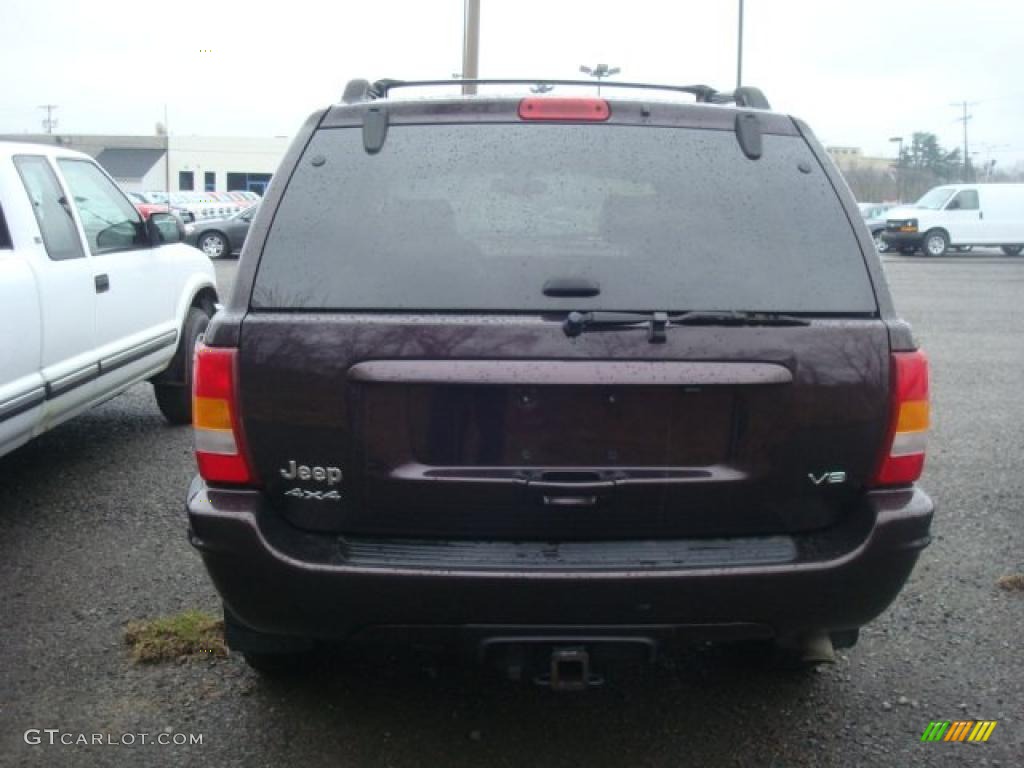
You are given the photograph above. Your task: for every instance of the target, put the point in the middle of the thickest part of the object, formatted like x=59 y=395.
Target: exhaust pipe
x=816 y=648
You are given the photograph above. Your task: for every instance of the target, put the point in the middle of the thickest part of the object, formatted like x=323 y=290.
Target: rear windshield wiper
x=577 y=322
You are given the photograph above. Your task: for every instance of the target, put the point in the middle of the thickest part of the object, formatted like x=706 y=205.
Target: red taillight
x=550 y=108
x=219 y=441
x=903 y=460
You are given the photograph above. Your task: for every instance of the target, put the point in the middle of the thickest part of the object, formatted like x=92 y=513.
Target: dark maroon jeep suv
x=558 y=376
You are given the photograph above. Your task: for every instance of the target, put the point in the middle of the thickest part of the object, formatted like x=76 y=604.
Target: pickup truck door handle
x=102 y=283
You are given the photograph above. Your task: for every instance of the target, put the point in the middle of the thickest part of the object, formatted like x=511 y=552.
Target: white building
x=199 y=163
x=853 y=158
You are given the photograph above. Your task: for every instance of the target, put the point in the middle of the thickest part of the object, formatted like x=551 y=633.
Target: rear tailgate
x=403 y=366
x=729 y=431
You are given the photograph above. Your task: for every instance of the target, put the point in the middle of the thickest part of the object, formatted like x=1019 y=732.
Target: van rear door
x=1002 y=208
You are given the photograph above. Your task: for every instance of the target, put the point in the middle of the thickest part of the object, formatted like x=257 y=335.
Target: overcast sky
x=858 y=72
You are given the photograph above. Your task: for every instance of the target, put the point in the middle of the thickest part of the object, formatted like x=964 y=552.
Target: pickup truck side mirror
x=164 y=228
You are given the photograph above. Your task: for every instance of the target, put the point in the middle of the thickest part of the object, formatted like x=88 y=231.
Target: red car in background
x=147 y=209
x=148 y=206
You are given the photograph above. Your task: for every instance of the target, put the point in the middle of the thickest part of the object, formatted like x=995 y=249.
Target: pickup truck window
x=111 y=223
x=51 y=208
x=5 y=234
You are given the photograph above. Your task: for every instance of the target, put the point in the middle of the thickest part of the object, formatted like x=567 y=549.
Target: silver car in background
x=221 y=236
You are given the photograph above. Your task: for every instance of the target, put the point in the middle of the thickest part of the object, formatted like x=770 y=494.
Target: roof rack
x=363 y=90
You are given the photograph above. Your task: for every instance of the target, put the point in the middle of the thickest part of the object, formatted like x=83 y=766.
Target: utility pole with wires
x=50 y=122
x=965 y=119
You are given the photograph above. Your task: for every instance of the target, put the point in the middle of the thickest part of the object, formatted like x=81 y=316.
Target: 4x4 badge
x=827 y=478
x=308 y=495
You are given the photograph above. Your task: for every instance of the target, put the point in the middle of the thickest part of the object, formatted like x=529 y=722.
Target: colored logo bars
x=958 y=730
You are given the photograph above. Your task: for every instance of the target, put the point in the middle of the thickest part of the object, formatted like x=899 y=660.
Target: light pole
x=599 y=72
x=471 y=45
x=899 y=169
x=50 y=122
x=739 y=49
x=167 y=158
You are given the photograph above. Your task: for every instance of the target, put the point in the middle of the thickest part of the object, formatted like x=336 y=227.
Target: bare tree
x=871 y=184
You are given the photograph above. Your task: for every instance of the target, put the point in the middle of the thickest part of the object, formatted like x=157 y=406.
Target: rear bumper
x=276 y=579
x=902 y=239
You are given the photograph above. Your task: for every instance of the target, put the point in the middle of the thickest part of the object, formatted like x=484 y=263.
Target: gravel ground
x=92 y=535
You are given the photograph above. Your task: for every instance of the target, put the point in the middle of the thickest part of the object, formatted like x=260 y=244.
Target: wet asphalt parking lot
x=92 y=535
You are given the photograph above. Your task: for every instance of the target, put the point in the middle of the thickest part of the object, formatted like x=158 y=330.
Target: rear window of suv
x=479 y=217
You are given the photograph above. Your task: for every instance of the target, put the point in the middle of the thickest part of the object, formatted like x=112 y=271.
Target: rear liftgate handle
x=570 y=501
x=585 y=492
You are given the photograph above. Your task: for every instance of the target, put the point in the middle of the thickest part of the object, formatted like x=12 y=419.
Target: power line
x=1017 y=95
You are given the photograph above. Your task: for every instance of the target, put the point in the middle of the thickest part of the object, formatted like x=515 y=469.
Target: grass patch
x=1012 y=583
x=192 y=634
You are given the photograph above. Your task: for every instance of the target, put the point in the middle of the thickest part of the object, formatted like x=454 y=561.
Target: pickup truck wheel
x=1013 y=250
x=936 y=243
x=175 y=398
x=213 y=244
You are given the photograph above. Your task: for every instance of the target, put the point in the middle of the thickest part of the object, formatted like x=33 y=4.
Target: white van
x=957 y=216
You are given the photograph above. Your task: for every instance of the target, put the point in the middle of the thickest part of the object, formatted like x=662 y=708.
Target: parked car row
x=200 y=205
x=220 y=234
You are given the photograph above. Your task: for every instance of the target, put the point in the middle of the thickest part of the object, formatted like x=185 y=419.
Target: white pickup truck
x=93 y=298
